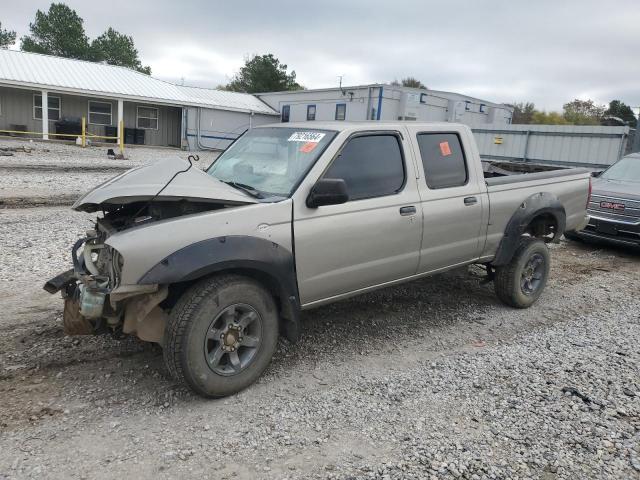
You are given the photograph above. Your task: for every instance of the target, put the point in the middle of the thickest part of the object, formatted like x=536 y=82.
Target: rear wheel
x=221 y=335
x=520 y=282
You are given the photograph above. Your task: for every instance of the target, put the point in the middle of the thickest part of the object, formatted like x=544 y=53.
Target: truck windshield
x=270 y=162
x=626 y=169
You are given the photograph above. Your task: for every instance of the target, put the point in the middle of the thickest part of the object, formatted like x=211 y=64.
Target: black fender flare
x=535 y=205
x=273 y=263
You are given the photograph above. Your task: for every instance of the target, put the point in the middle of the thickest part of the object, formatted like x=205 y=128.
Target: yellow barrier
x=84 y=135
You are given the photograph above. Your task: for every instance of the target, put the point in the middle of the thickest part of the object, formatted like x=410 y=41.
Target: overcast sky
x=545 y=51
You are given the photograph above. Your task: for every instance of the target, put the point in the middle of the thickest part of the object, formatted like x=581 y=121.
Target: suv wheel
x=221 y=335
x=520 y=282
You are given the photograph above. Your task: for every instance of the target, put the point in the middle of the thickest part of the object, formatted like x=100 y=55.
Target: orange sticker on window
x=308 y=147
x=445 y=150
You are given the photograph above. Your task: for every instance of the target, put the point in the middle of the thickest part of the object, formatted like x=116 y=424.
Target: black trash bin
x=130 y=136
x=69 y=126
x=139 y=136
x=110 y=131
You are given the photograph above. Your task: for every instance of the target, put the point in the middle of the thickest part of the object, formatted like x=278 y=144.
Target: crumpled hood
x=143 y=183
x=616 y=189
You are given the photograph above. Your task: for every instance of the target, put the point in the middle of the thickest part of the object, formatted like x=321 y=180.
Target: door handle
x=410 y=210
x=470 y=200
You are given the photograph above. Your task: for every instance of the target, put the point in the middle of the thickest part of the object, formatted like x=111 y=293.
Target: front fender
x=272 y=262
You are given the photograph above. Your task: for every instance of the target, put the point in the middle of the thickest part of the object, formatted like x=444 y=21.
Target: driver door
x=371 y=239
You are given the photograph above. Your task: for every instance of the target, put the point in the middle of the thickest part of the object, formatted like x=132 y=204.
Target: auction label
x=313 y=137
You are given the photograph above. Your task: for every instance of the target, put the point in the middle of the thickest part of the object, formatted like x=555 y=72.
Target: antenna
x=342 y=90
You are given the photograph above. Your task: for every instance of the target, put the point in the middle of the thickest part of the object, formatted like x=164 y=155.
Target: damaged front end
x=94 y=300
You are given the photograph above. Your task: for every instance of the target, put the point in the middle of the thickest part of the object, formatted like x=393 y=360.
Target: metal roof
x=388 y=87
x=39 y=71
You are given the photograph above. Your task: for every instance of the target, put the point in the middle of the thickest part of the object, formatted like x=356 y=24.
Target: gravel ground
x=432 y=379
x=39 y=172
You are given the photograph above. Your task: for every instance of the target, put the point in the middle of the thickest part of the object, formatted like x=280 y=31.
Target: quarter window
x=443 y=160
x=286 y=112
x=341 y=111
x=100 y=113
x=371 y=166
x=147 y=118
x=53 y=104
x=311 y=112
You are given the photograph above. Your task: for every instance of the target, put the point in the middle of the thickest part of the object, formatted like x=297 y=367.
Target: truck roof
x=339 y=125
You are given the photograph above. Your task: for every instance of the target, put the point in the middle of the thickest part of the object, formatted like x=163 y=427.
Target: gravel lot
x=39 y=173
x=432 y=379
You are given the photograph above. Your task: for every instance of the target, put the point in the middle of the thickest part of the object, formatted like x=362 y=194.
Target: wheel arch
x=541 y=215
x=264 y=261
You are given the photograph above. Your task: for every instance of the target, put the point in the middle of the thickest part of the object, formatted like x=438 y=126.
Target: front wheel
x=221 y=335
x=520 y=282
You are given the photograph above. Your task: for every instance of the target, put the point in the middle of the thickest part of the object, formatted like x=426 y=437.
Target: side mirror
x=596 y=174
x=328 y=191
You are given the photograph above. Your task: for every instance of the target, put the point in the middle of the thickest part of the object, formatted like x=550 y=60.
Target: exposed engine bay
x=94 y=300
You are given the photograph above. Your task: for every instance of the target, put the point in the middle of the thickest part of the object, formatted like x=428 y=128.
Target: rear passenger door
x=454 y=200
x=373 y=238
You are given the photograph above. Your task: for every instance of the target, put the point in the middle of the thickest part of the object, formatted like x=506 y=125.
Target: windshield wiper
x=248 y=189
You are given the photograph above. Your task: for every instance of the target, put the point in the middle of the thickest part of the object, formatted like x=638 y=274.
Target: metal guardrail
x=559 y=145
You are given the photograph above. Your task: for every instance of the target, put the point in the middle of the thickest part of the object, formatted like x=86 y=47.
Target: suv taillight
x=589 y=196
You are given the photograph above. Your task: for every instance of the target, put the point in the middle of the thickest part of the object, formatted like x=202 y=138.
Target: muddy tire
x=221 y=335
x=520 y=282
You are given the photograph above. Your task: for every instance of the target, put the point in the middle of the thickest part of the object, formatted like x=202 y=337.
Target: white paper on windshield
x=308 y=137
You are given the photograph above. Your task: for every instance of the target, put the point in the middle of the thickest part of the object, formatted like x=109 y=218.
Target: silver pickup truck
x=215 y=264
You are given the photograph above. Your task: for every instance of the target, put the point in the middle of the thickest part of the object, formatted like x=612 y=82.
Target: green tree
x=263 y=73
x=523 y=112
x=548 y=118
x=583 y=112
x=623 y=111
x=413 y=82
x=7 y=37
x=117 y=49
x=59 y=31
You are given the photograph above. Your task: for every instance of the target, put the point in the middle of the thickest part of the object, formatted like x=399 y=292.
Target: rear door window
x=443 y=160
x=371 y=166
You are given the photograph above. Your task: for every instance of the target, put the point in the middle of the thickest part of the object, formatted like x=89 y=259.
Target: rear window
x=443 y=160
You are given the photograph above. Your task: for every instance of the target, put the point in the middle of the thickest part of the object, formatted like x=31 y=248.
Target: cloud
x=546 y=51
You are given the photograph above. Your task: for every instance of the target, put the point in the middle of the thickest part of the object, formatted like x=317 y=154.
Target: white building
x=153 y=112
x=385 y=103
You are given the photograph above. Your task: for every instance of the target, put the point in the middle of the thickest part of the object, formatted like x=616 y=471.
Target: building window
x=286 y=111
x=54 y=107
x=467 y=106
x=147 y=118
x=311 y=112
x=341 y=111
x=483 y=108
x=99 y=113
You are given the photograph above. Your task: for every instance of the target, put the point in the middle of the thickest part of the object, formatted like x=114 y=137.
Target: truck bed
x=507 y=191
x=497 y=169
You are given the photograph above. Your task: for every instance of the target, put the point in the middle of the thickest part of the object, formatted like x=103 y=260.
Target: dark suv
x=614 y=207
